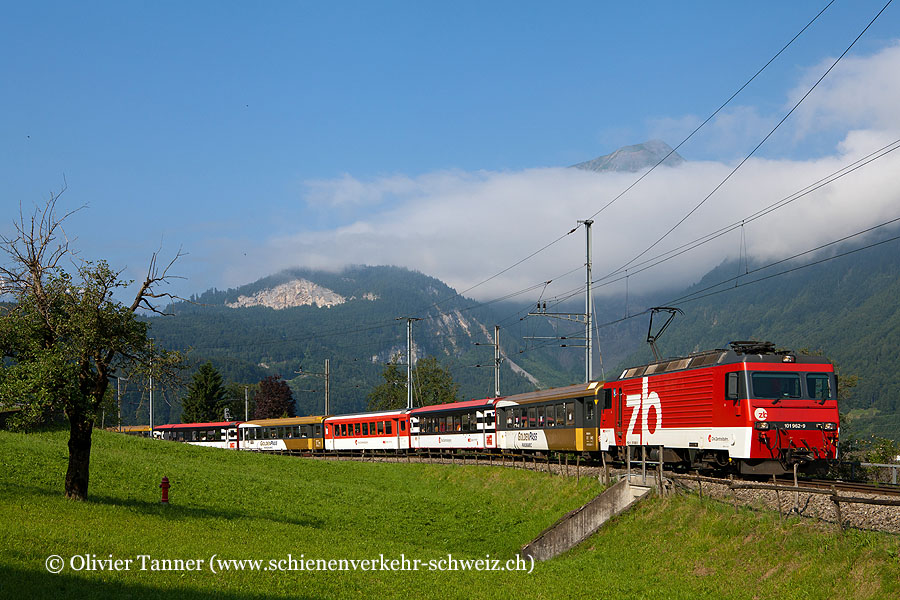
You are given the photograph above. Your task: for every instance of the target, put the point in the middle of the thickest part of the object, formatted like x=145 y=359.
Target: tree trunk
x=78 y=472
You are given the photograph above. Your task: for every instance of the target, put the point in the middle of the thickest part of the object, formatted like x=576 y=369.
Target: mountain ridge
x=637 y=157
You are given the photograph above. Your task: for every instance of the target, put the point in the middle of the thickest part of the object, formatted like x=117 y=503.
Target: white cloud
x=465 y=227
x=860 y=93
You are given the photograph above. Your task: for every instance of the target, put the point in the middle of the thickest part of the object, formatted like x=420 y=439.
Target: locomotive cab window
x=731 y=386
x=776 y=385
x=818 y=386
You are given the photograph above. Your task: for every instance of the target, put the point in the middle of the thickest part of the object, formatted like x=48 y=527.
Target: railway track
x=544 y=462
x=882 y=489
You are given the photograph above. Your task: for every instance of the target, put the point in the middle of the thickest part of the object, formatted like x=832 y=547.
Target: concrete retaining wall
x=582 y=522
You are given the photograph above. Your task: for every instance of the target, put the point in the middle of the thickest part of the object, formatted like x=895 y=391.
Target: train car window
x=532 y=417
x=365 y=429
x=457 y=423
x=570 y=413
x=356 y=429
x=540 y=416
x=343 y=430
x=388 y=428
x=776 y=385
x=380 y=427
x=402 y=425
x=551 y=416
x=560 y=415
x=607 y=398
x=588 y=410
x=318 y=430
x=818 y=386
x=731 y=386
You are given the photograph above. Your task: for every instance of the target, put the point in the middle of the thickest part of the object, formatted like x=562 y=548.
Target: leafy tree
x=432 y=384
x=65 y=336
x=206 y=396
x=391 y=394
x=274 y=399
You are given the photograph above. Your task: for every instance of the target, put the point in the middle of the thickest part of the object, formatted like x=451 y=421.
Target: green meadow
x=277 y=513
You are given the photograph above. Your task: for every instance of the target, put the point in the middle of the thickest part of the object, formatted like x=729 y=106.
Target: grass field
x=244 y=506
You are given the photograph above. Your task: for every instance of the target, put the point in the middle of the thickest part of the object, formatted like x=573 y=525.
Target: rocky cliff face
x=299 y=292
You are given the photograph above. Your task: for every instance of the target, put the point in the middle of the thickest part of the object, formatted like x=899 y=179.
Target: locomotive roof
x=740 y=352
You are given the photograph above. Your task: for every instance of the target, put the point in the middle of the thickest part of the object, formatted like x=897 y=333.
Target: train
x=749 y=408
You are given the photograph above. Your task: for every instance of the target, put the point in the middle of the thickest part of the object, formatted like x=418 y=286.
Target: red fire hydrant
x=165 y=490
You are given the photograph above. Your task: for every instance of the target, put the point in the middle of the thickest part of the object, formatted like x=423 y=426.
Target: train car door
x=619 y=404
x=589 y=424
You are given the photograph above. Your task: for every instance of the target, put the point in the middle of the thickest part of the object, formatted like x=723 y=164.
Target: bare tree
x=64 y=335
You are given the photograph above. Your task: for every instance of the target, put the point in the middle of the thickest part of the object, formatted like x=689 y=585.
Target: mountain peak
x=633 y=158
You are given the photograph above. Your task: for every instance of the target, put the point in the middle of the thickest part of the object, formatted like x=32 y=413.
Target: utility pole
x=588 y=313
x=326 y=376
x=246 y=403
x=497 y=359
x=151 y=387
x=409 y=393
x=586 y=317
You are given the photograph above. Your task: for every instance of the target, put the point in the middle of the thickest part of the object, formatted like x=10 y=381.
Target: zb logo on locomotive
x=642 y=404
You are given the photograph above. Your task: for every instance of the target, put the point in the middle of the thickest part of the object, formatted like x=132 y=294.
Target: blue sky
x=264 y=135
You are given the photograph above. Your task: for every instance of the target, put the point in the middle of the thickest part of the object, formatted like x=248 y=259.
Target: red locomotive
x=756 y=408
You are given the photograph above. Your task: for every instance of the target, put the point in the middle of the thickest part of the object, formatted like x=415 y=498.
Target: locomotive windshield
x=776 y=385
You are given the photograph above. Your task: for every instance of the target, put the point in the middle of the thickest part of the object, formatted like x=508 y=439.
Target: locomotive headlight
x=761 y=425
x=829 y=426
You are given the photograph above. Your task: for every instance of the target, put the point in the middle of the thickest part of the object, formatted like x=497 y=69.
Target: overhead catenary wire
x=644 y=175
x=715 y=112
x=758 y=146
x=718 y=233
x=712 y=291
x=349 y=331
